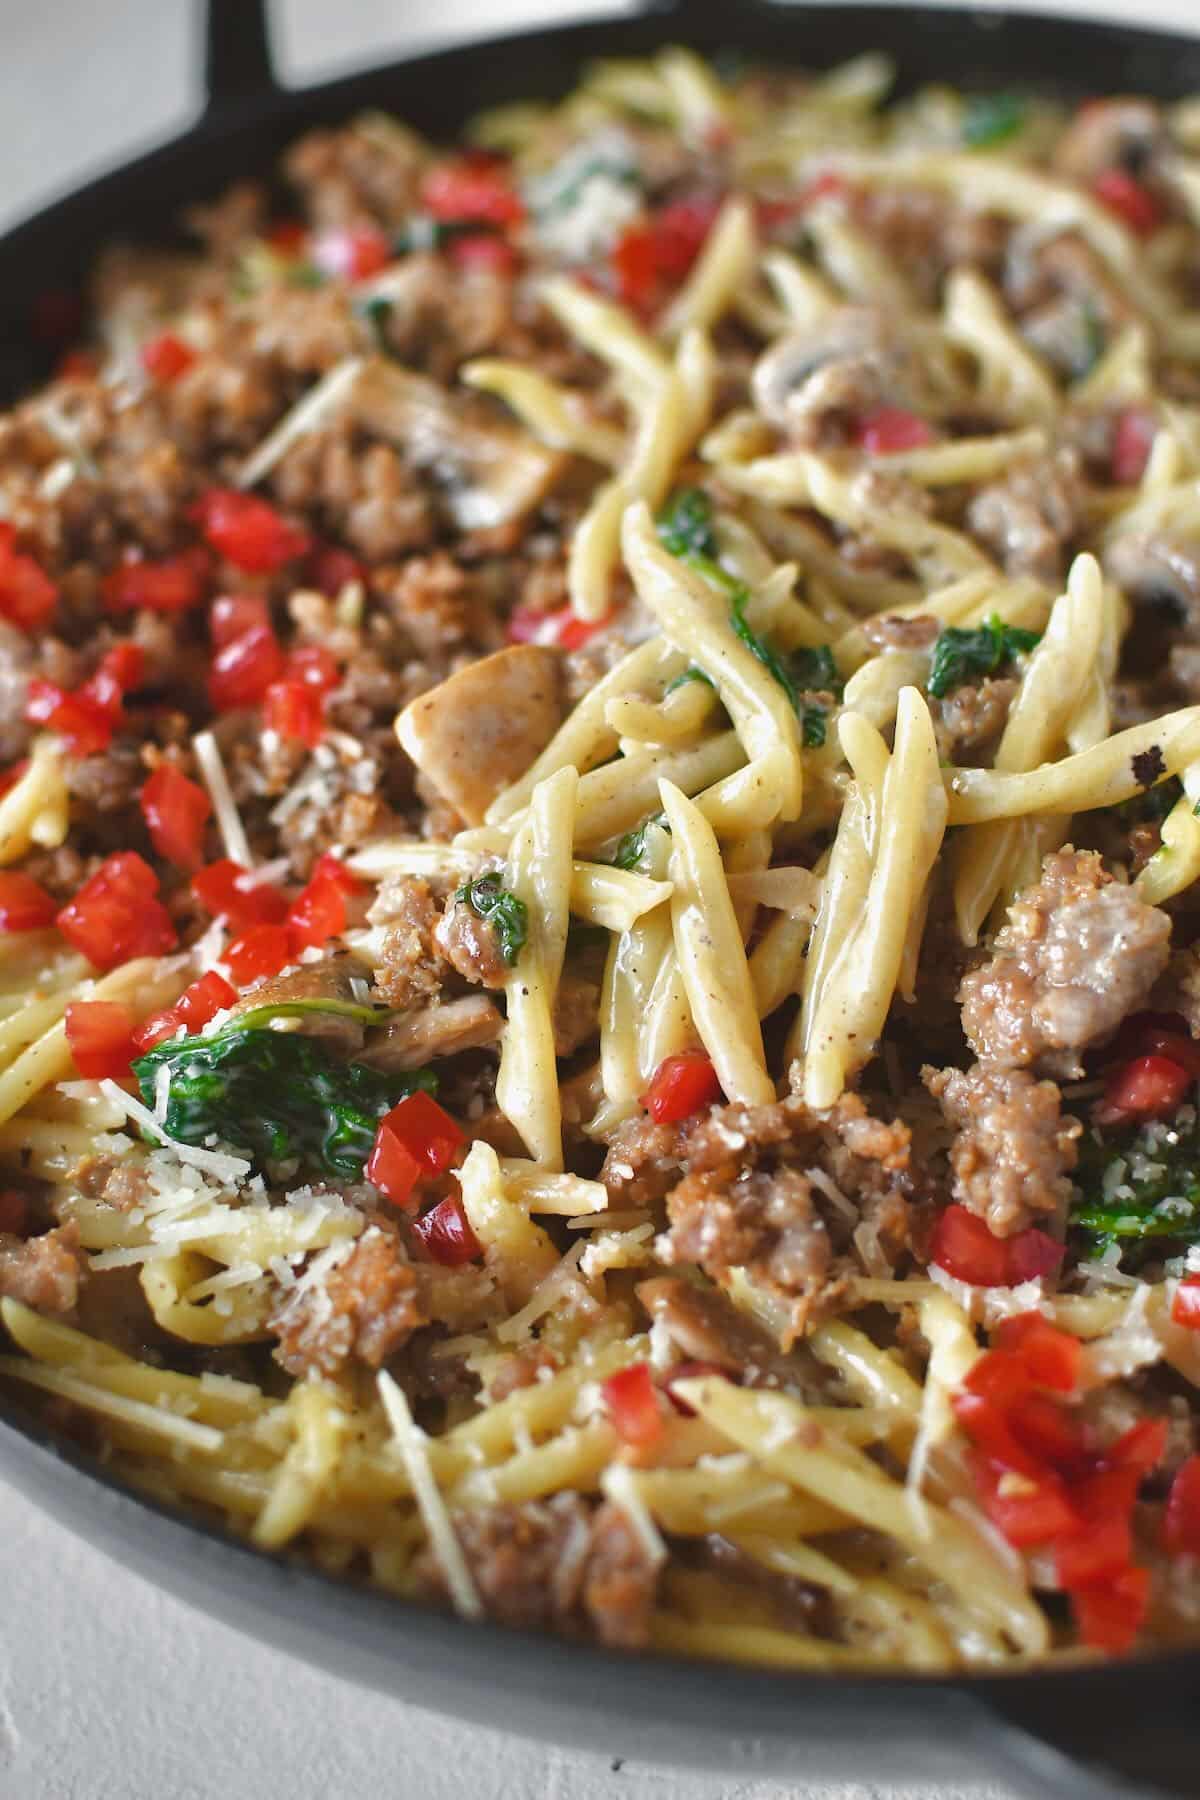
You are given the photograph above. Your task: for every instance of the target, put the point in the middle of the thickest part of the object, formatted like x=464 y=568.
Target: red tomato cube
x=681 y=1086
x=100 y=1036
x=24 y=903
x=445 y=1231
x=248 y=532
x=632 y=1405
x=176 y=811
x=260 y=951
x=116 y=914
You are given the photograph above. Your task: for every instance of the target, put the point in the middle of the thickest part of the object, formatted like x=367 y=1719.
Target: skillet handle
x=238 y=70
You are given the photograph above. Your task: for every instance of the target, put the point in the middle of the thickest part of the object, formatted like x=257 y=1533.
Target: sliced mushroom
x=436 y=1031
x=707 y=1327
x=857 y=360
x=475 y=733
x=338 y=981
x=491 y=471
x=1152 y=567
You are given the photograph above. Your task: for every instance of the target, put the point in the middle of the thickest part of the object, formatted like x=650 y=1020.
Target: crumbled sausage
x=43 y=1272
x=1013 y=1151
x=365 y=1308
x=1079 y=951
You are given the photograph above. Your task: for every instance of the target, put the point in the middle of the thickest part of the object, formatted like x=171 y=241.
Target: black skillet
x=1126 y=1728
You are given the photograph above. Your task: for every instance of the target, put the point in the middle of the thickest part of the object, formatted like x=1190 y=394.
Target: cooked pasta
x=598 y=956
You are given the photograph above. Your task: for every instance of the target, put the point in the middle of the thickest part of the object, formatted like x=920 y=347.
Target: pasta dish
x=600 y=867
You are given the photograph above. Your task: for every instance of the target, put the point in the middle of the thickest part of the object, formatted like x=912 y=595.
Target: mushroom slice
x=474 y=734
x=490 y=471
x=855 y=360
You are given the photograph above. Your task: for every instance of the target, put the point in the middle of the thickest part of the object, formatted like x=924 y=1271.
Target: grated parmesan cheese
x=314 y=409
x=220 y=1163
x=619 y=1484
x=411 y=1442
x=229 y=820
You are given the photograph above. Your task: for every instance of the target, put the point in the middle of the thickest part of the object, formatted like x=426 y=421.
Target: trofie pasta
x=600 y=869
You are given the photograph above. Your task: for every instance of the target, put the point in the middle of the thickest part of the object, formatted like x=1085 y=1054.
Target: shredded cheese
x=619 y=1484
x=411 y=1442
x=313 y=410
x=220 y=1163
x=229 y=820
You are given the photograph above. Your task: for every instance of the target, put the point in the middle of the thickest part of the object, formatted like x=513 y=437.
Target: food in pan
x=601 y=868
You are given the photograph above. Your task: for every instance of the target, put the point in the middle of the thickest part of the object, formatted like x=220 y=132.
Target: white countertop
x=108 y=1689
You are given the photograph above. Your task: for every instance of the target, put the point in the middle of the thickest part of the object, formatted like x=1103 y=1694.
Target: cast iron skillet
x=1118 y=1729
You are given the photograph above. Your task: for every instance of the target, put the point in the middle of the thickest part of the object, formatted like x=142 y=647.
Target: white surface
x=109 y=1690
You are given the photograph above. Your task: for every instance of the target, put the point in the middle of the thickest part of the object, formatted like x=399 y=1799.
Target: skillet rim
x=24 y=1442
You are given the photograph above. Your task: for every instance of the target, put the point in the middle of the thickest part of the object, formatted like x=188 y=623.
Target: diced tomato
x=27 y=594
x=471 y=189
x=100 y=1036
x=392 y=1167
x=1131 y=202
x=233 y=615
x=166 y=356
x=484 y=251
x=1185 y=1307
x=1142 y=1447
x=87 y=717
x=248 y=532
x=351 y=254
x=427 y=1131
x=317 y=914
x=119 y=670
x=196 y=1006
x=681 y=1086
x=889 y=429
x=1051 y=1357
x=1110 y=1614
x=632 y=1405
x=1149 y=1087
x=1133 y=441
x=679 y=231
x=690 y=1371
x=295 y=712
x=85 y=729
x=1053 y=1434
x=563 y=626
x=331 y=568
x=117 y=915
x=329 y=867
x=445 y=1231
x=1181 y=1523
x=635 y=266
x=176 y=811
x=1028 y=1510
x=260 y=951
x=24 y=903
x=244 y=668
x=315 y=666
x=963 y=1246
x=171 y=585
x=1158 y=1034
x=228 y=891
x=1100 y=1549
x=14 y=1212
